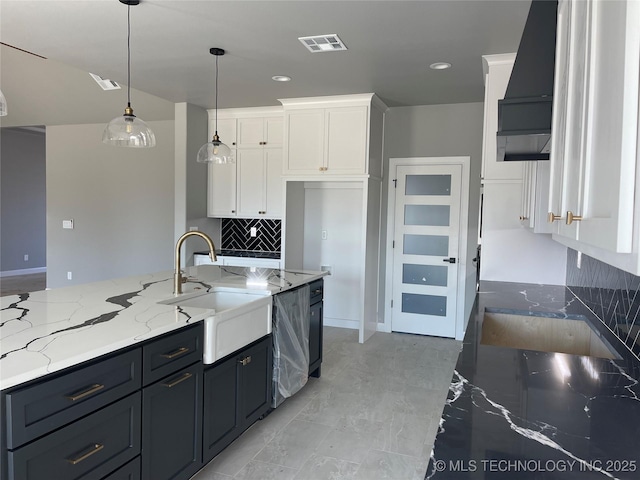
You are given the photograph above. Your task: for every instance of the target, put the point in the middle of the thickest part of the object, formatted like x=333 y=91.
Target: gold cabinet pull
x=178 y=380
x=95 y=448
x=176 y=353
x=552 y=217
x=245 y=361
x=573 y=218
x=96 y=387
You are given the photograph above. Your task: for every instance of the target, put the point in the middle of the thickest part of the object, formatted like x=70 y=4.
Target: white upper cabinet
x=332 y=135
x=260 y=132
x=252 y=187
x=595 y=125
x=535 y=192
x=497 y=71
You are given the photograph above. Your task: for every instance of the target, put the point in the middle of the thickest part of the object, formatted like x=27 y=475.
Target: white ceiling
x=390 y=46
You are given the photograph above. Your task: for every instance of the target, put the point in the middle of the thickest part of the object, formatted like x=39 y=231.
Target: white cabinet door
x=273 y=182
x=250 y=132
x=250 y=182
x=273 y=132
x=222 y=190
x=346 y=142
x=305 y=140
x=226 y=131
x=612 y=126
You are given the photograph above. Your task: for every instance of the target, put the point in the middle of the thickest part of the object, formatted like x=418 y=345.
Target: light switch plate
x=67 y=224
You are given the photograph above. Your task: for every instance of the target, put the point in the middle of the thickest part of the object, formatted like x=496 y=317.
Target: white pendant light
x=3 y=105
x=128 y=130
x=215 y=151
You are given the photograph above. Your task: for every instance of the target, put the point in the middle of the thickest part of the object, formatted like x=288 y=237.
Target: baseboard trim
x=24 y=271
x=340 y=323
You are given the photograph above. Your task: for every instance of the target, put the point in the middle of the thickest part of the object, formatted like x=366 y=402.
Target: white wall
x=437 y=131
x=121 y=201
x=23 y=202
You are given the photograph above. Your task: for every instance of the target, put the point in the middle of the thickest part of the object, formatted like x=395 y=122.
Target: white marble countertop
x=47 y=331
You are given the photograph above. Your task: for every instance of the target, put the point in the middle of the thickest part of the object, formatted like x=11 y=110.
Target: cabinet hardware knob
x=245 y=361
x=552 y=217
x=523 y=218
x=449 y=260
x=233 y=143
x=95 y=448
x=92 y=389
x=573 y=218
x=176 y=353
x=181 y=379
x=233 y=211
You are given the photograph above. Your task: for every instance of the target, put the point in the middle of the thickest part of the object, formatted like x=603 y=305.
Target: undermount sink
x=239 y=318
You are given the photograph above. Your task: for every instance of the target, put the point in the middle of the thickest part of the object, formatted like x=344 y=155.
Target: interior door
x=425 y=259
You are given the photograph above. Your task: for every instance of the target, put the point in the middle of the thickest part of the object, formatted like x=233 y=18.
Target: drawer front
x=92 y=447
x=45 y=406
x=171 y=353
x=316 y=291
x=131 y=471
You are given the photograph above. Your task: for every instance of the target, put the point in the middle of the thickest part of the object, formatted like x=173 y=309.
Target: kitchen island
x=515 y=413
x=95 y=374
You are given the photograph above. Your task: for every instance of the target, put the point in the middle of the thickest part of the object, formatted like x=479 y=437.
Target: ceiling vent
x=105 y=83
x=323 y=43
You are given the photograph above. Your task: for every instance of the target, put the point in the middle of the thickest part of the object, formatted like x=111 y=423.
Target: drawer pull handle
x=178 y=380
x=573 y=218
x=317 y=292
x=553 y=217
x=245 y=361
x=175 y=353
x=94 y=449
x=92 y=389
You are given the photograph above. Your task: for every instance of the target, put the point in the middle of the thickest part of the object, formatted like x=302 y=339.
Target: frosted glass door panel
x=428 y=185
x=436 y=215
x=424 y=304
x=426 y=231
x=426 y=245
x=424 y=274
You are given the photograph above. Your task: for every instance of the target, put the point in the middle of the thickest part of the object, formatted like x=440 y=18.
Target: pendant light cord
x=129 y=55
x=216 y=127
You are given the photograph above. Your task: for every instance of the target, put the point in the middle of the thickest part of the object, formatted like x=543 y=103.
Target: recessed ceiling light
x=440 y=66
x=323 y=43
x=281 y=78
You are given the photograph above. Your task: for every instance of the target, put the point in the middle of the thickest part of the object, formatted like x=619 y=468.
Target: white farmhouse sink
x=238 y=318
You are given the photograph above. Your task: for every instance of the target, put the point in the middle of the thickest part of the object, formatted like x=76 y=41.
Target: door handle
x=449 y=260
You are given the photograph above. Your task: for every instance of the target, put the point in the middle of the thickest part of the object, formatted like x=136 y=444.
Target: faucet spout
x=178 y=279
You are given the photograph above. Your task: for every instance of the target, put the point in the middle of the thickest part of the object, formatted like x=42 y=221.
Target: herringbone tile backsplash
x=236 y=234
x=612 y=294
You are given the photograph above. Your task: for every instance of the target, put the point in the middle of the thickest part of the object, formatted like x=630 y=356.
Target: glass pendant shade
x=215 y=152
x=3 y=105
x=128 y=131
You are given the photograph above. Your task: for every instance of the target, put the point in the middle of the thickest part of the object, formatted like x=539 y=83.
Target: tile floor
x=373 y=415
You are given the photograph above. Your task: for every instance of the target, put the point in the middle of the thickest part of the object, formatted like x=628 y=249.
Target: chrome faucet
x=178 y=279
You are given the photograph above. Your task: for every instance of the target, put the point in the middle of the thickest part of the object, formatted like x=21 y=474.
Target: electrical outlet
x=193 y=229
x=579 y=260
x=325 y=268
x=324 y=234
x=254 y=231
x=26 y=257
x=69 y=276
x=67 y=224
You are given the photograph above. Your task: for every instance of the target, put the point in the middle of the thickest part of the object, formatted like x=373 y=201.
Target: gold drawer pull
x=552 y=217
x=176 y=353
x=245 y=361
x=177 y=381
x=94 y=449
x=573 y=218
x=92 y=389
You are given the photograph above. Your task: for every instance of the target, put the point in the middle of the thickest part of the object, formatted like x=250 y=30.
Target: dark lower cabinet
x=130 y=471
x=237 y=392
x=171 y=426
x=315 y=327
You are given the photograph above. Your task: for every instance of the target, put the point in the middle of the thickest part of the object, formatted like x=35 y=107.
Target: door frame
x=466 y=269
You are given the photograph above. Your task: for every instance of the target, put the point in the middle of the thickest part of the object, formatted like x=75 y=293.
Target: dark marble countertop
x=523 y=414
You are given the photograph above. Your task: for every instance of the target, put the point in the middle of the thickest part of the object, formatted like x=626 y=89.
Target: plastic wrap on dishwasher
x=291 y=343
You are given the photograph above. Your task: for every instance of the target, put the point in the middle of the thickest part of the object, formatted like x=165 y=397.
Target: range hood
x=524 y=116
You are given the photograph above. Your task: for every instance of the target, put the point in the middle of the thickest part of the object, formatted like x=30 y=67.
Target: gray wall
x=121 y=201
x=432 y=131
x=23 y=199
